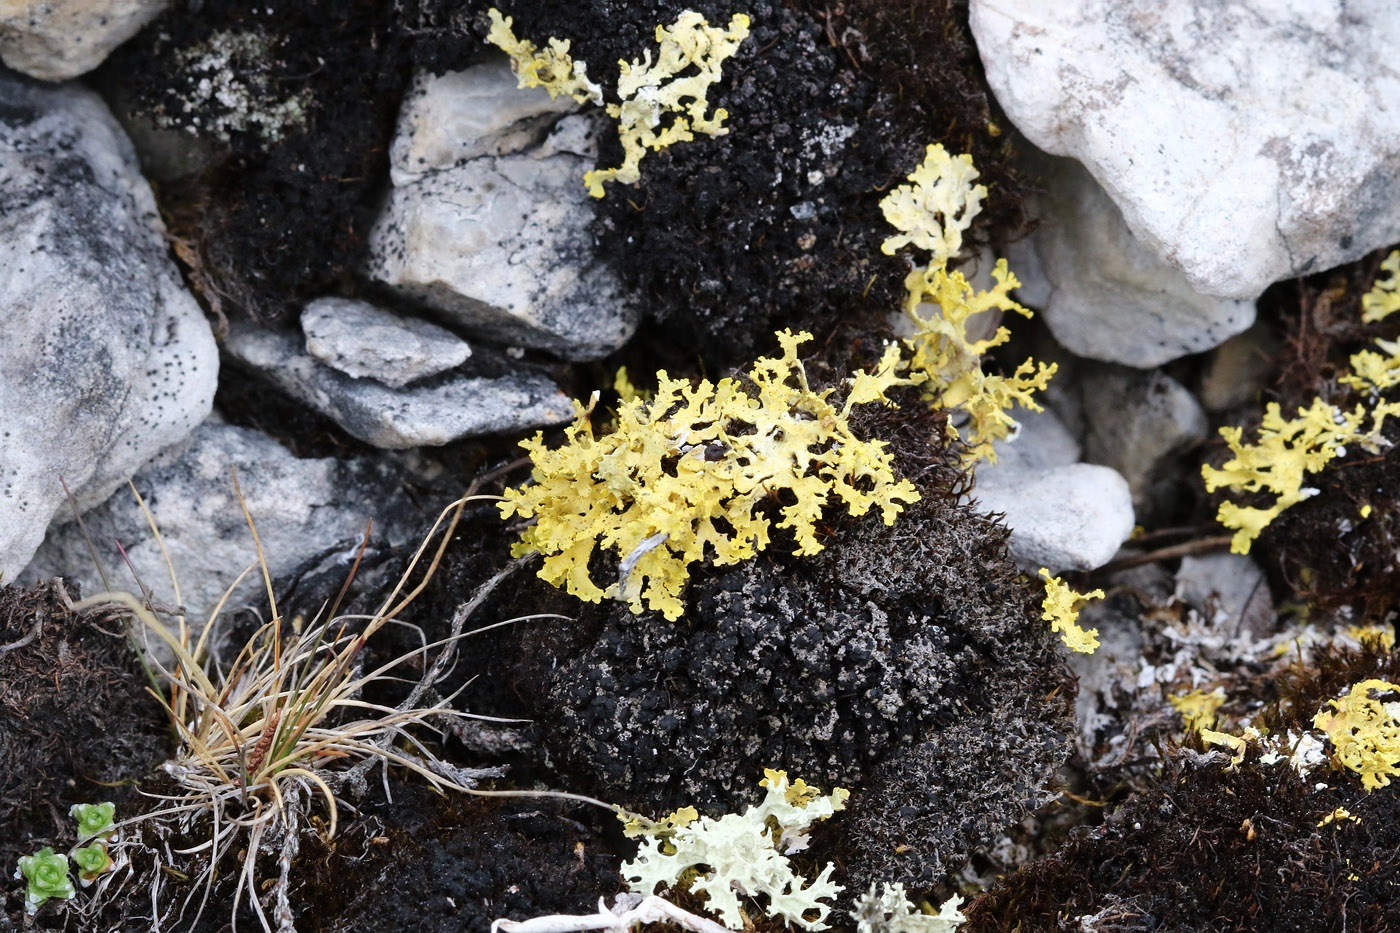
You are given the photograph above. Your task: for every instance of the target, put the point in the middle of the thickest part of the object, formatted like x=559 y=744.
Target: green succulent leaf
x=47 y=875
x=92 y=861
x=93 y=818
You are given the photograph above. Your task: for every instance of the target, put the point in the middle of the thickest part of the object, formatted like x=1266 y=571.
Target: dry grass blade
x=287 y=727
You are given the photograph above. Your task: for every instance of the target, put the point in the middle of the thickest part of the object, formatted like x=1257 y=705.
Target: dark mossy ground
x=76 y=725
x=1215 y=848
x=908 y=663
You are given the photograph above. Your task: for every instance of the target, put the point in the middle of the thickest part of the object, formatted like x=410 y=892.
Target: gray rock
x=300 y=507
x=1104 y=294
x=1229 y=591
x=450 y=118
x=106 y=359
x=1236 y=371
x=60 y=39
x=493 y=237
x=1069 y=517
x=1136 y=422
x=416 y=416
x=367 y=342
x=1243 y=142
x=501 y=247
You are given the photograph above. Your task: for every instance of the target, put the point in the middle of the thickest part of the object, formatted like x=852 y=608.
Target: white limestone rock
x=1244 y=142
x=368 y=342
x=450 y=118
x=56 y=40
x=501 y=247
x=1103 y=293
x=1063 y=515
x=302 y=508
x=488 y=222
x=429 y=415
x=1071 y=517
x=105 y=359
x=1136 y=422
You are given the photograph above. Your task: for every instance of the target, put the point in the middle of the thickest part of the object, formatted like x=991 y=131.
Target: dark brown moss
x=1209 y=848
x=75 y=720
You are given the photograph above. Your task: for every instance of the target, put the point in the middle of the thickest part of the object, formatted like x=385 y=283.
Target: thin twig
x=1185 y=549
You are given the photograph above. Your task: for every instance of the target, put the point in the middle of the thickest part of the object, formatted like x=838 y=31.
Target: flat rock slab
x=1244 y=142
x=414 y=416
x=368 y=342
x=106 y=359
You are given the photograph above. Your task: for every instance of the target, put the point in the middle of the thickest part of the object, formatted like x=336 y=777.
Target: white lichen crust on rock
x=106 y=358
x=56 y=40
x=497 y=240
x=1103 y=293
x=1244 y=142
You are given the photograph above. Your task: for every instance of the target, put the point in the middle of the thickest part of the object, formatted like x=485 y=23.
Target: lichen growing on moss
x=693 y=474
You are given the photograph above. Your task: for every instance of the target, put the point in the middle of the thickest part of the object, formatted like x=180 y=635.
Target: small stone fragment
x=414 y=416
x=367 y=342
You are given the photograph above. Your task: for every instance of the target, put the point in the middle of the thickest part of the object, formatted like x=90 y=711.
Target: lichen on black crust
x=777 y=222
x=906 y=663
x=1210 y=848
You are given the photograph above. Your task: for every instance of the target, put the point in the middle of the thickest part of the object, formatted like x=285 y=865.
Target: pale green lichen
x=745 y=853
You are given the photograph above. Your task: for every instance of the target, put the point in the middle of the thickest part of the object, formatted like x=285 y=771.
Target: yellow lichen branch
x=1384 y=297
x=1365 y=732
x=688 y=476
x=661 y=102
x=1061 y=609
x=932 y=212
x=552 y=69
x=659 y=107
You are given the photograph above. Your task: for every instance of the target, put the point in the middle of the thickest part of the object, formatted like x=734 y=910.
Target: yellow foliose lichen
x=1365 y=732
x=933 y=212
x=946 y=359
x=665 y=102
x=552 y=68
x=1384 y=297
x=1198 y=708
x=694 y=473
x=1061 y=609
x=660 y=103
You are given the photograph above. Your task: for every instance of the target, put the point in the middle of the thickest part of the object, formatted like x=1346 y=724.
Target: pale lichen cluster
x=742 y=854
